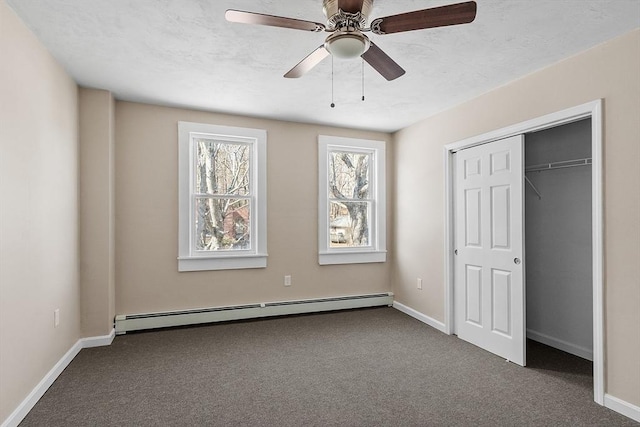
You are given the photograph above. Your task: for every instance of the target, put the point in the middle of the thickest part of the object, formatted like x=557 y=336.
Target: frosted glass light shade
x=347 y=46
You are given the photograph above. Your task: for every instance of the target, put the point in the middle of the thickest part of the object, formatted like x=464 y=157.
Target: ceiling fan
x=347 y=20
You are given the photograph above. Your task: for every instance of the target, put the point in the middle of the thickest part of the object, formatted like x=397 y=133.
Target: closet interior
x=558 y=238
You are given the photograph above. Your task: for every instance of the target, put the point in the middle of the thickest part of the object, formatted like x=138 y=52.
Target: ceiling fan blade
x=382 y=63
x=453 y=14
x=304 y=66
x=350 y=6
x=242 y=17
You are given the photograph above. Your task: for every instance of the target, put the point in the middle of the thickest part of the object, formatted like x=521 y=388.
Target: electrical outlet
x=419 y=283
x=287 y=280
x=56 y=317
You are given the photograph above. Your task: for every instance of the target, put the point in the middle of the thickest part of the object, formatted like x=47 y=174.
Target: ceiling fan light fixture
x=347 y=45
x=347 y=20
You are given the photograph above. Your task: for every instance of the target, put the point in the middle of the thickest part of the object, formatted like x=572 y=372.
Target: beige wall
x=38 y=212
x=97 y=211
x=147 y=277
x=610 y=71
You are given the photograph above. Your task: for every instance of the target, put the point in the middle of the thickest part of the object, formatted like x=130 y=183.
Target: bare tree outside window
x=222 y=195
x=350 y=202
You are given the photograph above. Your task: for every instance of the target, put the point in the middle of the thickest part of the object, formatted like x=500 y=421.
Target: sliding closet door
x=489 y=272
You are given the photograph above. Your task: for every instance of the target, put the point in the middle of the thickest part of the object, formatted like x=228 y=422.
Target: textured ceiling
x=183 y=53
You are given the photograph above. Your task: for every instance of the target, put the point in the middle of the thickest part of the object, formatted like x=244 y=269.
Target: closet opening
x=559 y=248
x=588 y=118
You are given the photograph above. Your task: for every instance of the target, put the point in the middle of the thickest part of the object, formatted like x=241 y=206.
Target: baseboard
x=39 y=390
x=99 y=341
x=625 y=408
x=29 y=402
x=568 y=347
x=421 y=317
x=137 y=322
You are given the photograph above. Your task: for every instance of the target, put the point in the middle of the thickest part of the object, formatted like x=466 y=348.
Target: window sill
x=222 y=262
x=330 y=258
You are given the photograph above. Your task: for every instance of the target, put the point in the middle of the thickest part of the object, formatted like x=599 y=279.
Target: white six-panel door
x=489 y=270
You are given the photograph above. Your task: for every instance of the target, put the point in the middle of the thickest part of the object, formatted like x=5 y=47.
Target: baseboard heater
x=137 y=322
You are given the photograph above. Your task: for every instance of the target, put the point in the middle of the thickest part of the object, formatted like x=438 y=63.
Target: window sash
x=195 y=227
x=220 y=139
x=370 y=234
x=332 y=169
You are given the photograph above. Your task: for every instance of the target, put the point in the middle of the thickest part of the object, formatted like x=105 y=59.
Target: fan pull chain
x=363 y=79
x=332 y=104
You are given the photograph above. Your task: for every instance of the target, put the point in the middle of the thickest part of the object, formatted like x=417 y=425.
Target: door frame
x=591 y=110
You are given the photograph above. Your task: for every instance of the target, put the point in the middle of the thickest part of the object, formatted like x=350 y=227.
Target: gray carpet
x=365 y=367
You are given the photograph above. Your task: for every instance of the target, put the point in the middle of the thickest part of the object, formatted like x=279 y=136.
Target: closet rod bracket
x=533 y=187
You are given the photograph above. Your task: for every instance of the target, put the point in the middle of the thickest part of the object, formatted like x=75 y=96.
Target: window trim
x=377 y=250
x=190 y=259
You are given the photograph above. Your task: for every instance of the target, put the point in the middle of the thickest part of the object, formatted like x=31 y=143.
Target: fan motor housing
x=335 y=15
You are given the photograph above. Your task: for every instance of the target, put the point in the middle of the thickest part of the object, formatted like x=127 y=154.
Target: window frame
x=192 y=259
x=376 y=251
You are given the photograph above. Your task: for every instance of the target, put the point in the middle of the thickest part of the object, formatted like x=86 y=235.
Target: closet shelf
x=558 y=165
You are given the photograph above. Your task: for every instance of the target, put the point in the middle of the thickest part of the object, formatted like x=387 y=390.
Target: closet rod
x=558 y=165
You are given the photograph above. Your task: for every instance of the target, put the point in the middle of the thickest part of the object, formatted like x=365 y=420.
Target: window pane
x=348 y=175
x=221 y=167
x=222 y=224
x=349 y=224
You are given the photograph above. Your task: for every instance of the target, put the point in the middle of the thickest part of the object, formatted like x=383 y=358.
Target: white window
x=222 y=197
x=352 y=201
